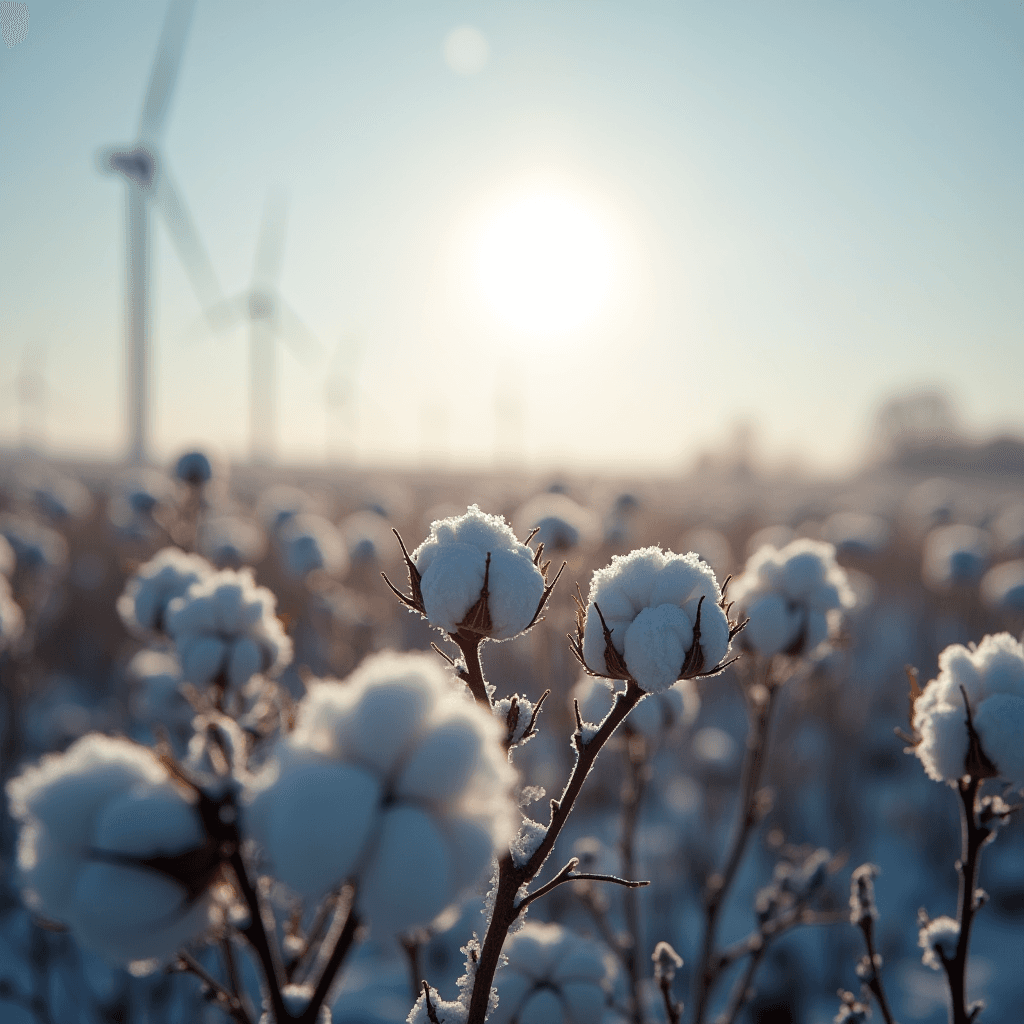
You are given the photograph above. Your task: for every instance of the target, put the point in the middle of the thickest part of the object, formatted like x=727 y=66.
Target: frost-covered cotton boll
x=194 y=469
x=650 y=600
x=992 y=675
x=12 y=622
x=144 y=489
x=394 y=778
x=1002 y=587
x=453 y=563
x=794 y=598
x=553 y=976
x=955 y=556
x=939 y=940
x=88 y=818
x=230 y=542
x=561 y=523
x=310 y=542
x=654 y=716
x=167 y=575
x=368 y=537
x=225 y=629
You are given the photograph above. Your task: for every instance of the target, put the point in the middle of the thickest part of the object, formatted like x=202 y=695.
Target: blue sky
x=815 y=205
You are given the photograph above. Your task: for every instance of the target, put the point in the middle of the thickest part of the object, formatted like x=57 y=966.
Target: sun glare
x=545 y=263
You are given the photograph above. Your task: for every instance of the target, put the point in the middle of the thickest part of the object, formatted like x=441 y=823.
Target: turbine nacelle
x=138 y=165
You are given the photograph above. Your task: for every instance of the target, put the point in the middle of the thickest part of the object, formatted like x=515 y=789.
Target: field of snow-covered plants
x=242 y=786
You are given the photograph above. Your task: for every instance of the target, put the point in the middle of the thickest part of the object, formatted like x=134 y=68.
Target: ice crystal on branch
x=653 y=617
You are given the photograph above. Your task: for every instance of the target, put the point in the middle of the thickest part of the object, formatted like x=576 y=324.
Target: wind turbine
x=270 y=317
x=148 y=182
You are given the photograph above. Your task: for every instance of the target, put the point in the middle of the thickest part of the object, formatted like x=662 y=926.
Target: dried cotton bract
x=653 y=617
x=553 y=976
x=472 y=575
x=393 y=779
x=793 y=597
x=104 y=832
x=992 y=676
x=225 y=630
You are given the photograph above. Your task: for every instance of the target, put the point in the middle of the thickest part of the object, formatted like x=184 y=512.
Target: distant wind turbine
x=148 y=181
x=270 y=317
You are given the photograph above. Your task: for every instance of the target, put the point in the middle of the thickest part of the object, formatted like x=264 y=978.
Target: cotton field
x=292 y=746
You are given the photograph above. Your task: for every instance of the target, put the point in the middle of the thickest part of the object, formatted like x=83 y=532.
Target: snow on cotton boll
x=225 y=630
x=654 y=716
x=955 y=556
x=107 y=840
x=992 y=676
x=393 y=779
x=472 y=577
x=794 y=598
x=553 y=976
x=167 y=575
x=654 y=617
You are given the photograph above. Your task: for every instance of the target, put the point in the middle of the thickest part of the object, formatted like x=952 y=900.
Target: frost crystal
x=90 y=819
x=992 y=676
x=793 y=597
x=167 y=575
x=225 y=629
x=554 y=975
x=649 y=601
x=938 y=939
x=453 y=565
x=527 y=841
x=393 y=778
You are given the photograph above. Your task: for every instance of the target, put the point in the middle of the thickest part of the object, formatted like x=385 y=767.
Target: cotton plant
x=968 y=724
x=154 y=585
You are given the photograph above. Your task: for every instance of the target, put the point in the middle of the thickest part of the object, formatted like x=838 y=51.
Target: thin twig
x=469 y=644
x=872 y=962
x=567 y=874
x=234 y=981
x=718 y=886
x=228 y=1000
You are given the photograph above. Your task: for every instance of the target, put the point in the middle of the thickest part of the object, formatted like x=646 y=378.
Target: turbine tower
x=148 y=182
x=270 y=318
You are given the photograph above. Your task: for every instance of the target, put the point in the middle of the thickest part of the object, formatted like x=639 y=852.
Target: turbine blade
x=187 y=242
x=270 y=247
x=301 y=339
x=165 y=68
x=228 y=312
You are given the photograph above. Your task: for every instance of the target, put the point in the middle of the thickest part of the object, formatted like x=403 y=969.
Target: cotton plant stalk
x=667 y=621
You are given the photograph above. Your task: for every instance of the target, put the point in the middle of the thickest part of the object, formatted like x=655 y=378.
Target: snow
x=649 y=600
x=452 y=562
x=992 y=675
x=938 y=938
x=527 y=841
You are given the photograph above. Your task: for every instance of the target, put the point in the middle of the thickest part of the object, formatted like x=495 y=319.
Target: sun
x=545 y=263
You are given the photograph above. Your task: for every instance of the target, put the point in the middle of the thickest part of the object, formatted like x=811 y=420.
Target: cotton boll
x=561 y=523
x=1002 y=587
x=158 y=822
x=542 y=1006
x=442 y=764
x=202 y=660
x=773 y=624
x=310 y=542
x=246 y=660
x=313 y=823
x=940 y=936
x=655 y=645
x=516 y=588
x=410 y=879
x=999 y=721
x=451 y=585
x=230 y=542
x=955 y=556
x=149 y=592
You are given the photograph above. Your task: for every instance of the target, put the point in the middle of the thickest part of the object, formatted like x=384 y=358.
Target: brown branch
x=342 y=946
x=872 y=962
x=217 y=992
x=567 y=874
x=469 y=644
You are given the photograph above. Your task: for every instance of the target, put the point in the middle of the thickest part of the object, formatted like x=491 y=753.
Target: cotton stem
x=632 y=795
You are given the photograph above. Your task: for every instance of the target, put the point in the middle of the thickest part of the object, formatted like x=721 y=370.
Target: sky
x=586 y=235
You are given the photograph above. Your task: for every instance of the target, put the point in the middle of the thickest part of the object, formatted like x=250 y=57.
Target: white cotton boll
x=542 y=1007
x=561 y=523
x=773 y=624
x=804 y=570
x=245 y=661
x=310 y=542
x=856 y=532
x=992 y=675
x=230 y=542
x=148 y=593
x=441 y=766
x=955 y=556
x=999 y=721
x=470 y=847
x=409 y=880
x=452 y=562
x=201 y=661
x=655 y=646
x=313 y=822
x=107 y=796
x=280 y=503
